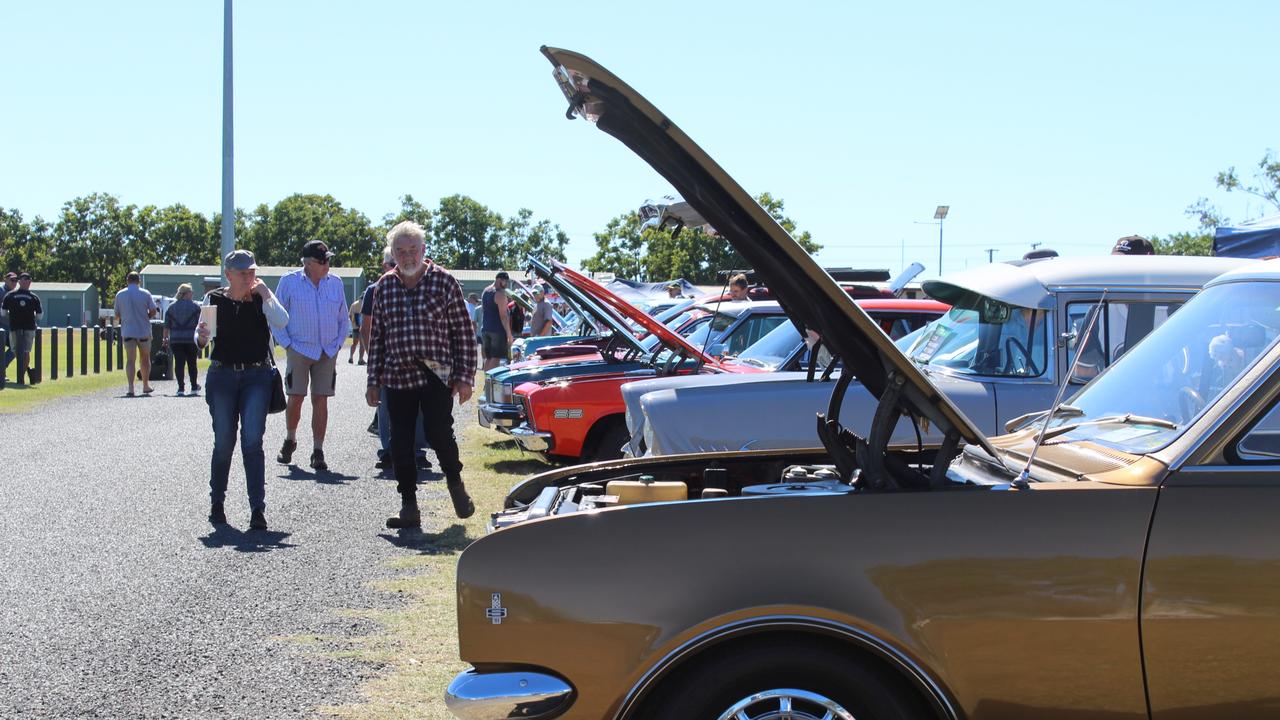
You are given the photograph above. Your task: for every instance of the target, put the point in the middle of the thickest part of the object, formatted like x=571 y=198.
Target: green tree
x=467 y=235
x=1184 y=243
x=699 y=257
x=276 y=235
x=25 y=246
x=175 y=235
x=92 y=243
x=522 y=237
x=1266 y=188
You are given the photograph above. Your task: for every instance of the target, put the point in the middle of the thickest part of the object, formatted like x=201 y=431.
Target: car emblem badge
x=495 y=611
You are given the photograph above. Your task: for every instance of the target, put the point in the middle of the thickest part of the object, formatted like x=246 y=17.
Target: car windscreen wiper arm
x=1126 y=419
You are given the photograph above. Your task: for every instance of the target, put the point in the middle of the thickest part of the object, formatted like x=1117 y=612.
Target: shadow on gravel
x=501 y=444
x=452 y=539
x=326 y=477
x=241 y=541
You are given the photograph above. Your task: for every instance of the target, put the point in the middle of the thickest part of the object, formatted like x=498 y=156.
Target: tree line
x=99 y=239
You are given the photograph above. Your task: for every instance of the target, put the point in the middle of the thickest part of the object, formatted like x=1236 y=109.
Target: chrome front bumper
x=507 y=695
x=492 y=415
x=532 y=440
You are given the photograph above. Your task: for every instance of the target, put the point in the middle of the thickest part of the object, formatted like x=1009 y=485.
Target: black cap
x=24 y=275
x=1133 y=245
x=316 y=250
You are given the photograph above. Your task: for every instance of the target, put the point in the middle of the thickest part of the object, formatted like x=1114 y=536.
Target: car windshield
x=774 y=348
x=1178 y=370
x=719 y=323
x=650 y=342
x=994 y=340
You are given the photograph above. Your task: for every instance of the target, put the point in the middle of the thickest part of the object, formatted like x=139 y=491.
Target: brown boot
x=462 y=505
x=409 y=516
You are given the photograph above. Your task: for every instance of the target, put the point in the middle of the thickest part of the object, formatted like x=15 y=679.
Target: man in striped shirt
x=421 y=352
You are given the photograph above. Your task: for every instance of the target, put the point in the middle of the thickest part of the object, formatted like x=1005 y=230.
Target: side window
x=1262 y=442
x=1120 y=327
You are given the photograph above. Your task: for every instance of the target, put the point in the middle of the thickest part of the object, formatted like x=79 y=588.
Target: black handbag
x=278 y=401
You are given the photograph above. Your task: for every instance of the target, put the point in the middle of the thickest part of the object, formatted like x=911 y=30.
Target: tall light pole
x=940 y=215
x=228 y=154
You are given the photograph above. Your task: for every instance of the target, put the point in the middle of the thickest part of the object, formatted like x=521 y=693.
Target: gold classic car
x=1116 y=557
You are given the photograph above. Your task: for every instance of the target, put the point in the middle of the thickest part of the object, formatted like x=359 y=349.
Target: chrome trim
x=942 y=701
x=785 y=700
x=498 y=696
x=491 y=415
x=532 y=440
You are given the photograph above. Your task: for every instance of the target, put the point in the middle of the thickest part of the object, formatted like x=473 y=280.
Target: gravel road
x=119 y=600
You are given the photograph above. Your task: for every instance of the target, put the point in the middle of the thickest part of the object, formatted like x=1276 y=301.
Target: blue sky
x=1068 y=124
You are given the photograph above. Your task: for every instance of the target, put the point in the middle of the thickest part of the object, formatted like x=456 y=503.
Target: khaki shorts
x=140 y=343
x=301 y=370
x=22 y=340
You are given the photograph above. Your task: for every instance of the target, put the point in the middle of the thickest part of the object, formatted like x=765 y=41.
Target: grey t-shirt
x=133 y=304
x=541 y=314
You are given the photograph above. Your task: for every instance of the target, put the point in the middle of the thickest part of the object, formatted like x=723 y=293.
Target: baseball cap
x=24 y=275
x=239 y=260
x=316 y=250
x=673 y=286
x=11 y=276
x=1133 y=245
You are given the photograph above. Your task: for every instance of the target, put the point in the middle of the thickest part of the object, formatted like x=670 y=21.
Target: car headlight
x=504 y=393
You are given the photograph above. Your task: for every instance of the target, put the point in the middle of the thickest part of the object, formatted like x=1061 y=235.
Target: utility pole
x=990 y=252
x=1036 y=245
x=228 y=154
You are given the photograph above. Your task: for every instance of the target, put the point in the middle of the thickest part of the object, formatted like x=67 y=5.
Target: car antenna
x=1024 y=476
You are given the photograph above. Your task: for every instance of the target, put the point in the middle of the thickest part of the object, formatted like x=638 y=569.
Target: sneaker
x=258 y=521
x=361 y=362
x=286 y=452
x=216 y=514
x=462 y=505
x=409 y=516
x=351 y=360
x=317 y=460
x=423 y=462
x=195 y=388
x=383 y=463
x=181 y=392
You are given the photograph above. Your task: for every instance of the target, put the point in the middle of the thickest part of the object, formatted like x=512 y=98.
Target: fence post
x=53 y=353
x=111 y=348
x=84 y=350
x=71 y=358
x=97 y=352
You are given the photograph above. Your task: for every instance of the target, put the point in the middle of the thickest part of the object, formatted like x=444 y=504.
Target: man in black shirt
x=23 y=308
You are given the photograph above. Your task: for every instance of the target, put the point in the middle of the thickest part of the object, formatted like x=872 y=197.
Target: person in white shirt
x=318 y=326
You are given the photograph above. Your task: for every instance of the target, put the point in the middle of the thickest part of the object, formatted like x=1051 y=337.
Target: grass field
x=419 y=643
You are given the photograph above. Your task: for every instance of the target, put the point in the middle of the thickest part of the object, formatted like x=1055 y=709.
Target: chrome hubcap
x=786 y=704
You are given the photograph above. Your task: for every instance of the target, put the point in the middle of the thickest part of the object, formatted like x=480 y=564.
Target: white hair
x=387 y=257
x=406 y=228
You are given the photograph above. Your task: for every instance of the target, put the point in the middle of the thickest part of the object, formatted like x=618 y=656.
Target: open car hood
x=553 y=275
x=665 y=334
x=806 y=291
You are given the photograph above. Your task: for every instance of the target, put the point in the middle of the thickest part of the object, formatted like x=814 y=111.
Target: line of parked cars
x=852 y=536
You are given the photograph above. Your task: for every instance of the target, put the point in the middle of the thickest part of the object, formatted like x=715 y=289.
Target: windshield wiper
x=1126 y=419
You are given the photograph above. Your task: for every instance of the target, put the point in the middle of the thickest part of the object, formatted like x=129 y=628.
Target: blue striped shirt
x=318 y=320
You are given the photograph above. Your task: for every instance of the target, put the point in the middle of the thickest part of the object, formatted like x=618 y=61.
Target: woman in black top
x=238 y=384
x=180 y=322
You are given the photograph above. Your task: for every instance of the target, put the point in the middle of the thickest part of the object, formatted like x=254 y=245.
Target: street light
x=940 y=215
x=228 y=153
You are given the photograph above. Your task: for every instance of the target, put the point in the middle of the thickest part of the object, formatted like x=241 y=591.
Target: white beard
x=411 y=269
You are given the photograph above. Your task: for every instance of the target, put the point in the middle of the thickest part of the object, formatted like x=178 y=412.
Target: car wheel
x=609 y=444
x=785 y=680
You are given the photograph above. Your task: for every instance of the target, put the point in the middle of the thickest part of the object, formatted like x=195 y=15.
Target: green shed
x=60 y=300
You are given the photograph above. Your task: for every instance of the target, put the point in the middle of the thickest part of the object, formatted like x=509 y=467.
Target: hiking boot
x=462 y=505
x=216 y=514
x=258 y=521
x=286 y=452
x=317 y=460
x=409 y=516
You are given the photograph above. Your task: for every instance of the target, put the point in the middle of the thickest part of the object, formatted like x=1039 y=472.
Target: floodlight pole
x=228 y=154
x=940 y=215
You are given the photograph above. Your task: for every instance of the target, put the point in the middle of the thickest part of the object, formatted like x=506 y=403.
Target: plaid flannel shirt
x=427 y=323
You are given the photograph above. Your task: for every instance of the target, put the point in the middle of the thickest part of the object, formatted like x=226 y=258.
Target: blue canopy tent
x=1254 y=239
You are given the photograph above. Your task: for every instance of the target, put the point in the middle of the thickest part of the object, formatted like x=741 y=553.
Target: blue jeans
x=238 y=397
x=384 y=428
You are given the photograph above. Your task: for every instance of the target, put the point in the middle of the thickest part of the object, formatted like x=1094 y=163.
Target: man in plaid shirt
x=421 y=352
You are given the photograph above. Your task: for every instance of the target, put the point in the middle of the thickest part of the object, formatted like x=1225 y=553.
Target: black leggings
x=184 y=354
